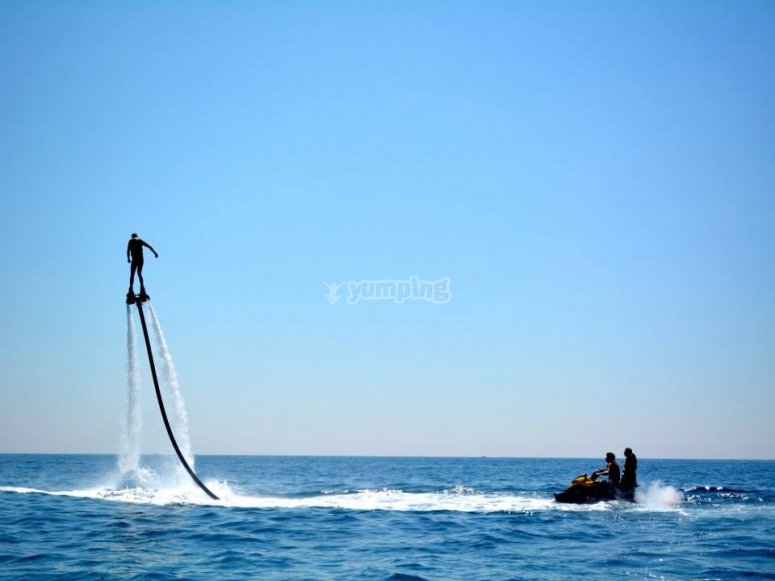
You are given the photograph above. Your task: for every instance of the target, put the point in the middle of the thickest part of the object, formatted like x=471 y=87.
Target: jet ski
x=585 y=489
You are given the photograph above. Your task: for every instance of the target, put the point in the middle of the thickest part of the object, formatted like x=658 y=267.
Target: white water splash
x=129 y=459
x=657 y=495
x=179 y=417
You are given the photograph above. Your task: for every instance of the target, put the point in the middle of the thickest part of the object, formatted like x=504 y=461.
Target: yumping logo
x=414 y=289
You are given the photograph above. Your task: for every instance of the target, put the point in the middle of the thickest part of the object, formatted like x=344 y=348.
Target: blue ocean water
x=76 y=517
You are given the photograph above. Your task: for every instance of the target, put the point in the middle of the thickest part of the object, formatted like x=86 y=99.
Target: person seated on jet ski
x=612 y=471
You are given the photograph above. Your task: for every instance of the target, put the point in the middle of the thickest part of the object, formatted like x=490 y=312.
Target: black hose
x=139 y=304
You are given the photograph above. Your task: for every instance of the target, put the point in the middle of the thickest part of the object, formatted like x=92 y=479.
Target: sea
x=381 y=518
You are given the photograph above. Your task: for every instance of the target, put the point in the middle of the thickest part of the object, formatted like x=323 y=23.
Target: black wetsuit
x=629 y=478
x=135 y=248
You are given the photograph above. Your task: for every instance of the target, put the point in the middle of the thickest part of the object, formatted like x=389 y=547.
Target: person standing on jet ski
x=629 y=479
x=612 y=471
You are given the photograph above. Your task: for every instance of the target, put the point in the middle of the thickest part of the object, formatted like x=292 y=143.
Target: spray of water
x=658 y=495
x=179 y=417
x=129 y=458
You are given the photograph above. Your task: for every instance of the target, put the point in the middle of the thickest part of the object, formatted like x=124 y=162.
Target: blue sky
x=594 y=178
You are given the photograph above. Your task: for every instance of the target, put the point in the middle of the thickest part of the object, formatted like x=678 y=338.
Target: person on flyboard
x=135 y=249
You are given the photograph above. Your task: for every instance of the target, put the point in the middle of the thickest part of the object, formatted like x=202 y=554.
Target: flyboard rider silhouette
x=134 y=249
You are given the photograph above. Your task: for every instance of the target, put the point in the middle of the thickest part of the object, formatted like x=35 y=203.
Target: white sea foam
x=392 y=500
x=145 y=486
x=367 y=500
x=152 y=488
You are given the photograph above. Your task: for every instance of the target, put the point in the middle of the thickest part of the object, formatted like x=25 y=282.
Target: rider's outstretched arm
x=156 y=254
